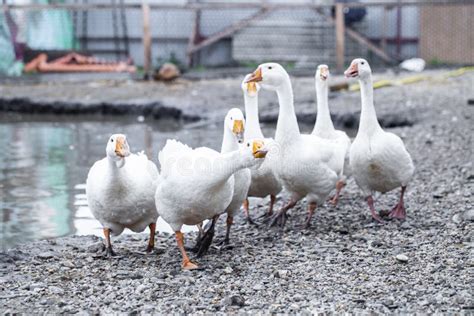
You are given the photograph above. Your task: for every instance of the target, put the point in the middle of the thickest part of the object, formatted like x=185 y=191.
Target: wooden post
x=383 y=42
x=146 y=40
x=340 y=30
x=194 y=36
x=399 y=29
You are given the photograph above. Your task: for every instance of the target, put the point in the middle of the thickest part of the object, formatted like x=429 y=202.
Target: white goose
x=306 y=166
x=379 y=160
x=198 y=184
x=324 y=127
x=233 y=135
x=120 y=191
x=264 y=182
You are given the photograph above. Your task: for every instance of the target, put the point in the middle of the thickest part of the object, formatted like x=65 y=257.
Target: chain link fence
x=210 y=34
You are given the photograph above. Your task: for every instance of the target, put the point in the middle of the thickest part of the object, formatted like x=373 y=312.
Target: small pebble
x=402 y=258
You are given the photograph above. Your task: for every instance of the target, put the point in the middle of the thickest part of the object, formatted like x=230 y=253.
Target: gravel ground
x=345 y=262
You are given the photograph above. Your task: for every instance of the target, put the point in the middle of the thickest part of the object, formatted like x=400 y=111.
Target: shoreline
x=152 y=109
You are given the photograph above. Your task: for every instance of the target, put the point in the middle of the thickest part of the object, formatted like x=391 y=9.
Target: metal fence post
x=146 y=40
x=340 y=30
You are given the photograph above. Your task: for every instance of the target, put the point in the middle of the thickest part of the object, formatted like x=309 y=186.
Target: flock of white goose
x=126 y=190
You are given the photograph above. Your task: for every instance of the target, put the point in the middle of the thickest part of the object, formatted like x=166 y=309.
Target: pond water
x=44 y=161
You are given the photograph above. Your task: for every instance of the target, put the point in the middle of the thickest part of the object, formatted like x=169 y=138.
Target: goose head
x=253 y=152
x=322 y=73
x=250 y=89
x=359 y=68
x=235 y=122
x=270 y=75
x=117 y=147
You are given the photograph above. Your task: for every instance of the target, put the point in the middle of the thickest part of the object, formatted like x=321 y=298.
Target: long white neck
x=252 y=123
x=115 y=165
x=115 y=172
x=287 y=126
x=323 y=119
x=226 y=165
x=229 y=142
x=368 y=118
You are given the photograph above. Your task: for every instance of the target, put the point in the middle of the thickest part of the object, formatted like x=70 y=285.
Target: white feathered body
x=339 y=139
x=241 y=189
x=309 y=166
x=188 y=192
x=380 y=162
x=123 y=197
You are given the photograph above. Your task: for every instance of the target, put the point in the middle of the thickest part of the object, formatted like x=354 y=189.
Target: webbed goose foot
x=109 y=253
x=207 y=237
x=398 y=211
x=265 y=216
x=229 y=222
x=311 y=208
x=108 y=245
x=251 y=221
x=247 y=214
x=281 y=217
x=269 y=213
x=375 y=216
x=187 y=264
x=224 y=242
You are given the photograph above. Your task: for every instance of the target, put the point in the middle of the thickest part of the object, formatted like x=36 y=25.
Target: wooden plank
x=135 y=38
x=228 y=31
x=277 y=31
x=280 y=38
x=290 y=56
x=340 y=30
x=302 y=53
x=367 y=43
x=408 y=3
x=284 y=46
x=287 y=57
x=162 y=6
x=288 y=23
x=226 y=5
x=146 y=40
x=104 y=51
x=249 y=50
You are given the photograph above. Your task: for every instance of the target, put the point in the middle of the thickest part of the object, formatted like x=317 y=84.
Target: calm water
x=44 y=163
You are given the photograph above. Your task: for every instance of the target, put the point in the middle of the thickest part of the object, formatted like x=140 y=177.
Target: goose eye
x=362 y=63
x=231 y=118
x=111 y=140
x=248 y=144
x=269 y=67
